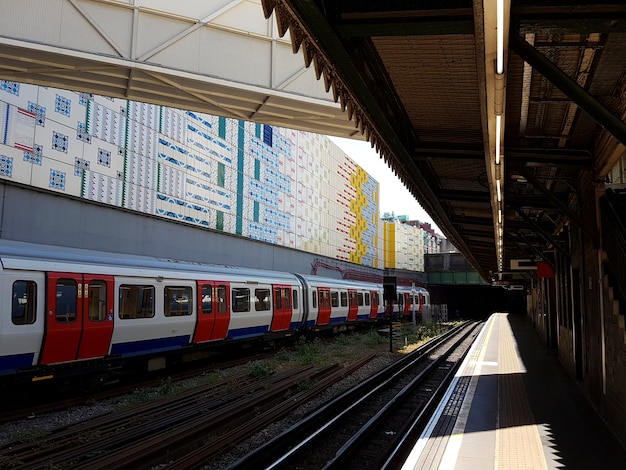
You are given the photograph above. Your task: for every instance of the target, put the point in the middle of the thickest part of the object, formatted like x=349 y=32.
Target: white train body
x=411 y=300
x=63 y=308
x=339 y=302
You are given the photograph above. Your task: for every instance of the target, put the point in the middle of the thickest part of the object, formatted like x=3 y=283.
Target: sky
x=394 y=197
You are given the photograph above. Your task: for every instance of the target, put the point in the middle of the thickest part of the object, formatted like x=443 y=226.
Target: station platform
x=513 y=406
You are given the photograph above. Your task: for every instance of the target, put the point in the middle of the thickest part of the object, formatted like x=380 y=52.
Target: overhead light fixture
x=499 y=191
x=500 y=36
x=498 y=141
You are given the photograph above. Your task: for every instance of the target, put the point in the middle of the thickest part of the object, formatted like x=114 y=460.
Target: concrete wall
x=43 y=217
x=580 y=316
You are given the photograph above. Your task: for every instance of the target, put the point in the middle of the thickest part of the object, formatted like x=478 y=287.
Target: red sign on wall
x=544 y=269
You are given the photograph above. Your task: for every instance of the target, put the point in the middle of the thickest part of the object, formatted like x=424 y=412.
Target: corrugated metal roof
x=419 y=79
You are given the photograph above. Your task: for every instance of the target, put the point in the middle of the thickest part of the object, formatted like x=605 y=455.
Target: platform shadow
x=544 y=395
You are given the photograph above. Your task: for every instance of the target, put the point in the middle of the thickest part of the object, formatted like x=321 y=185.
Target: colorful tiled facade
x=281 y=186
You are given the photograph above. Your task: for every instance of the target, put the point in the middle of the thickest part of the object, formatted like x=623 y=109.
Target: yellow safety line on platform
x=518 y=444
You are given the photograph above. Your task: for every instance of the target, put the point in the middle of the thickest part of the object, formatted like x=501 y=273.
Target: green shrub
x=373 y=339
x=262 y=369
x=308 y=353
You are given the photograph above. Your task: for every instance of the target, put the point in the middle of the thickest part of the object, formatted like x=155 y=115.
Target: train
x=82 y=313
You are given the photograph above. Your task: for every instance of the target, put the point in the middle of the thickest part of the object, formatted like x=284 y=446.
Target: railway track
x=364 y=427
x=181 y=432
x=29 y=404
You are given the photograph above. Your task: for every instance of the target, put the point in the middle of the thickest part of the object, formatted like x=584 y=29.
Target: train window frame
x=240 y=303
x=222 y=305
x=206 y=305
x=63 y=310
x=97 y=305
x=294 y=301
x=366 y=298
x=360 y=300
x=185 y=292
x=344 y=298
x=314 y=302
x=262 y=302
x=25 y=300
x=138 y=298
x=324 y=298
x=334 y=299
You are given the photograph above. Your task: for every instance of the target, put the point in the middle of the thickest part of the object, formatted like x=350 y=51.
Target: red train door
x=421 y=301
x=407 y=303
x=323 y=302
x=282 y=308
x=64 y=322
x=97 y=313
x=213 y=311
x=78 y=326
x=353 y=305
x=374 y=302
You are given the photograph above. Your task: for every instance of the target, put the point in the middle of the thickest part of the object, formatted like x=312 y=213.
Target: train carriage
x=21 y=331
x=338 y=303
x=75 y=310
x=411 y=300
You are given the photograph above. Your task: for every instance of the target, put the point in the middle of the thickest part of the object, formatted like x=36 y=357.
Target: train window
x=367 y=298
x=97 y=300
x=286 y=298
x=278 y=299
x=324 y=299
x=177 y=301
x=282 y=298
x=360 y=299
x=353 y=300
x=314 y=299
x=344 y=299
x=66 y=300
x=262 y=300
x=400 y=299
x=207 y=300
x=221 y=299
x=136 y=301
x=241 y=299
x=23 y=311
x=334 y=299
x=375 y=298
x=295 y=299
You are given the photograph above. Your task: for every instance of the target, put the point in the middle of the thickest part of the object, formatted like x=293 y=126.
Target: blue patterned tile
x=33 y=157
x=80 y=165
x=82 y=134
x=57 y=179
x=84 y=98
x=10 y=87
x=63 y=105
x=59 y=142
x=104 y=158
x=39 y=111
x=6 y=166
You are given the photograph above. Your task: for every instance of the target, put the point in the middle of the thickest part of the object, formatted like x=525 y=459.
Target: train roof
x=23 y=255
x=38 y=257
x=335 y=282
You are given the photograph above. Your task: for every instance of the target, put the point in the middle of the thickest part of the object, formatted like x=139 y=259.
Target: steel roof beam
x=569 y=87
x=563 y=208
x=542 y=233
